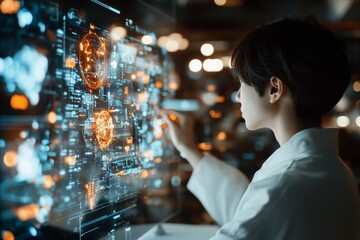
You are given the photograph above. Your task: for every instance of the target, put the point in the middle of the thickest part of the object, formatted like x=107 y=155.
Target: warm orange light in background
x=9 y=6
x=70 y=62
x=143 y=97
x=129 y=140
x=221 y=136
x=356 y=86
x=19 y=102
x=220 y=2
x=48 y=182
x=215 y=114
x=205 y=146
x=146 y=78
x=173 y=85
x=52 y=117
x=10 y=158
x=126 y=90
x=158 y=160
x=133 y=76
x=159 y=84
x=172 y=117
x=220 y=99
x=144 y=174
x=70 y=160
x=211 y=88
x=27 y=212
x=7 y=235
x=147 y=39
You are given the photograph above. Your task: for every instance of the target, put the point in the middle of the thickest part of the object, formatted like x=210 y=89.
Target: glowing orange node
x=27 y=212
x=92 y=60
x=10 y=158
x=70 y=160
x=19 y=102
x=205 y=146
x=172 y=117
x=7 y=235
x=220 y=99
x=146 y=79
x=90 y=192
x=158 y=160
x=70 y=62
x=211 y=88
x=159 y=84
x=222 y=136
x=144 y=174
x=215 y=114
x=48 y=182
x=52 y=117
x=143 y=97
x=129 y=140
x=9 y=6
x=104 y=128
x=127 y=148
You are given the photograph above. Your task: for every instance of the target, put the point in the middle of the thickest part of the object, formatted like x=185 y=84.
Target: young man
x=291 y=73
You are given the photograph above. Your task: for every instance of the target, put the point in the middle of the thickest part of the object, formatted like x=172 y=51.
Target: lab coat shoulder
x=219 y=187
x=298 y=203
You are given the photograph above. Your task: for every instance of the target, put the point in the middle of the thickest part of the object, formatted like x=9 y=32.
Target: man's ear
x=276 y=89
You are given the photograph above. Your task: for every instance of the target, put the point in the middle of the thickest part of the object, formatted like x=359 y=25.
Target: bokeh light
x=207 y=49
x=195 y=65
x=19 y=102
x=343 y=121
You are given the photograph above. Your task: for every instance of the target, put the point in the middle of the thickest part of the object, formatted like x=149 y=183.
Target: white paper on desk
x=176 y=231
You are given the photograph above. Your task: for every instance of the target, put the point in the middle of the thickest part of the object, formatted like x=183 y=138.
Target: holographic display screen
x=83 y=148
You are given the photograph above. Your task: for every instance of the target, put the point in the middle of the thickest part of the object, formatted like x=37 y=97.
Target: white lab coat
x=303 y=191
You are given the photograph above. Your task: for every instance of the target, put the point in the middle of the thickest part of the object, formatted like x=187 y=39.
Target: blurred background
x=198 y=37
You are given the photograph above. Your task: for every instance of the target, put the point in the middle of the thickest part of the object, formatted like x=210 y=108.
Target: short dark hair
x=305 y=55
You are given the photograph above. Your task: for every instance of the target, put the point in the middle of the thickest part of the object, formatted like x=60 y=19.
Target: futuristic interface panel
x=82 y=145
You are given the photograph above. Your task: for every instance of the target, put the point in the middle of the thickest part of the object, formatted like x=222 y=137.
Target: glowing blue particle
x=24 y=17
x=2 y=143
x=175 y=181
x=42 y=27
x=114 y=64
x=33 y=231
x=59 y=31
x=157 y=183
x=35 y=124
